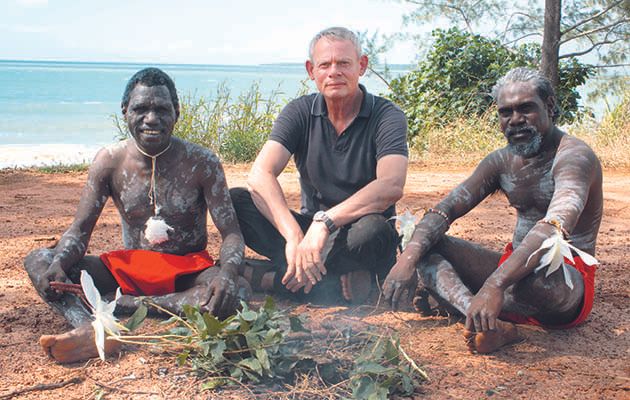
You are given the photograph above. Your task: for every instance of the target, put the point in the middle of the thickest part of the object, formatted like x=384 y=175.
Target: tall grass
x=469 y=138
x=236 y=128
x=233 y=127
x=610 y=138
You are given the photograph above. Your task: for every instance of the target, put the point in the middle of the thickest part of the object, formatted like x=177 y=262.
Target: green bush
x=456 y=78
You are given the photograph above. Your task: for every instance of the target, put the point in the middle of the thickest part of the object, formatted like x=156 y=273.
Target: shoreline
x=46 y=154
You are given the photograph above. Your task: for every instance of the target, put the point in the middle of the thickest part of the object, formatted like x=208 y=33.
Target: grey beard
x=528 y=149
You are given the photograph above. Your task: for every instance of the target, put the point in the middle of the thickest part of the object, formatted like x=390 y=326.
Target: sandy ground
x=588 y=362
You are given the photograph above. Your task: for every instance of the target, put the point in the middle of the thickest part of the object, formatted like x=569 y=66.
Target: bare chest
x=174 y=197
x=529 y=189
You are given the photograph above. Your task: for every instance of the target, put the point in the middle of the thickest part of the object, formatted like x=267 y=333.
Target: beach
x=587 y=362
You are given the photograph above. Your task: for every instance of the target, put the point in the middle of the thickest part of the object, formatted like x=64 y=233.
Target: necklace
x=156 y=230
x=152 y=192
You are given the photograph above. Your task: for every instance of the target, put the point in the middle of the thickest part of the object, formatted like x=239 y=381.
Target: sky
x=245 y=32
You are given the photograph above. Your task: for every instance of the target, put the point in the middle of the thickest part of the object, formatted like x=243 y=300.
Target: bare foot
x=356 y=286
x=489 y=341
x=76 y=345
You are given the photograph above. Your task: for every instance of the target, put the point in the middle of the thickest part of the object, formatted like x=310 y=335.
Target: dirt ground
x=588 y=362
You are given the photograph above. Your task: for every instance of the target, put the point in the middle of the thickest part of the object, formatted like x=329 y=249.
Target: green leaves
x=383 y=369
x=457 y=75
x=256 y=346
x=137 y=318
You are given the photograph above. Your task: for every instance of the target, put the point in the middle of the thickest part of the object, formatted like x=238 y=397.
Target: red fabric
x=150 y=273
x=588 y=275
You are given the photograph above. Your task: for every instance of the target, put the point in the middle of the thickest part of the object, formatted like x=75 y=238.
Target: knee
x=373 y=229
x=550 y=292
x=37 y=261
x=240 y=196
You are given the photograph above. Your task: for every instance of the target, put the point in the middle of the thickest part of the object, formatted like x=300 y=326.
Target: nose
x=517 y=118
x=334 y=70
x=150 y=117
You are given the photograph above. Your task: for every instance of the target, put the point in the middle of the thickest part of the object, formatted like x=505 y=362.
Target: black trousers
x=369 y=243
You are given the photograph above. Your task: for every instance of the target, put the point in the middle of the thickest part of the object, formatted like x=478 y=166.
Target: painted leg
x=68 y=305
x=443 y=282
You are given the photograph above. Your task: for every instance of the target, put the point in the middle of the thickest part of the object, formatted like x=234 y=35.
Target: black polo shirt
x=333 y=168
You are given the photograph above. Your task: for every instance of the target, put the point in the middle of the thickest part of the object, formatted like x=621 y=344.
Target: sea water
x=62 y=112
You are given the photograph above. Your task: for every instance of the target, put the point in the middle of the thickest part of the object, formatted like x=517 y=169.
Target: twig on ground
x=44 y=386
x=121 y=390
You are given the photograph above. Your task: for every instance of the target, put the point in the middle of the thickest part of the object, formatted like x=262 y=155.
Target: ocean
x=61 y=112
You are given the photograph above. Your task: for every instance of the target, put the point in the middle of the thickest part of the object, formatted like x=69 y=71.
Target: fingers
x=308 y=287
x=290 y=273
x=398 y=291
x=290 y=253
x=215 y=300
x=388 y=289
x=293 y=285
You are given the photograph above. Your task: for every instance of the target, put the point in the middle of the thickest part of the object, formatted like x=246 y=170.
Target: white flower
x=103 y=313
x=156 y=230
x=406 y=227
x=558 y=250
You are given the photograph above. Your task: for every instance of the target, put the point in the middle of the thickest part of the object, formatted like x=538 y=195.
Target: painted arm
x=223 y=289
x=432 y=227
x=576 y=170
x=73 y=243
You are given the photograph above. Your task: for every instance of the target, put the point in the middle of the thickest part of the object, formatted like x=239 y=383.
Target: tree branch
x=580 y=53
x=610 y=66
x=601 y=28
x=584 y=21
x=521 y=38
x=509 y=21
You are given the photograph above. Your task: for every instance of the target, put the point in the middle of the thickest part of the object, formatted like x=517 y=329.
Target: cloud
x=21 y=28
x=32 y=3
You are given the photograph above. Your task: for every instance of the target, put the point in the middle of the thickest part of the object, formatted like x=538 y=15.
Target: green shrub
x=456 y=78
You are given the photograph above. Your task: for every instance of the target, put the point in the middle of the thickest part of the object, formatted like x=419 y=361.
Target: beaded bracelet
x=440 y=213
x=557 y=224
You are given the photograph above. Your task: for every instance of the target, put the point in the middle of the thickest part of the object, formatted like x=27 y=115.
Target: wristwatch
x=321 y=216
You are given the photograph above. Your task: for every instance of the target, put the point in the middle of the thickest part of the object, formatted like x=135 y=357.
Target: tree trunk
x=551 y=41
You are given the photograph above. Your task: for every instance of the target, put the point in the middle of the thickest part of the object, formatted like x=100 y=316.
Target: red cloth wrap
x=151 y=273
x=588 y=276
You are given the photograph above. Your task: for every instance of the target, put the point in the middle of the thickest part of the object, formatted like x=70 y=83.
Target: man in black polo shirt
x=350 y=149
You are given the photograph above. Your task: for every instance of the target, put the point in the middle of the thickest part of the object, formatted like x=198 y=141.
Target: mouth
x=150 y=132
x=520 y=134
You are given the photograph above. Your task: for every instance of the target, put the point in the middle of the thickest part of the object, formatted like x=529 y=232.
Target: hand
x=484 y=309
x=290 y=277
x=223 y=294
x=54 y=273
x=308 y=258
x=402 y=277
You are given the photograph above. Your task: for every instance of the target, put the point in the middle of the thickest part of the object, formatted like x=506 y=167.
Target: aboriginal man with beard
x=554 y=181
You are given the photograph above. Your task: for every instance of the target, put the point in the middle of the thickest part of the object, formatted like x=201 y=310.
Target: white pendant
x=156 y=230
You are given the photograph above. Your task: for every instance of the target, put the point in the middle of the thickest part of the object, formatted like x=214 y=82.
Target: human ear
x=363 y=62
x=309 y=69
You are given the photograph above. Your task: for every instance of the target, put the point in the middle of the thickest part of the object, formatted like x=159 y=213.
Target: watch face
x=319 y=216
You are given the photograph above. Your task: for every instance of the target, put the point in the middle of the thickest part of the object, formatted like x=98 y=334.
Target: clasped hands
x=305 y=267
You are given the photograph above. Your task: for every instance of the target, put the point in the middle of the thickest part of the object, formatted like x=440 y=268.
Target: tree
x=569 y=29
x=457 y=76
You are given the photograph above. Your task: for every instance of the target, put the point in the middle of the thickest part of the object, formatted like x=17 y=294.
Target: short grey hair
x=541 y=83
x=335 y=33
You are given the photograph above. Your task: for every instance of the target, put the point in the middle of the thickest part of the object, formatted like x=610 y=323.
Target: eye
x=505 y=113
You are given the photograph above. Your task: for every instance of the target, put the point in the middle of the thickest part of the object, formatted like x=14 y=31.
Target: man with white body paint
x=350 y=149
x=554 y=181
x=163 y=188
